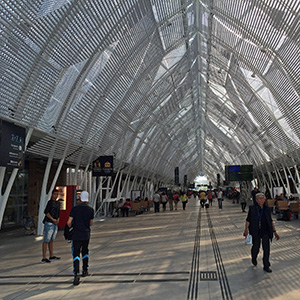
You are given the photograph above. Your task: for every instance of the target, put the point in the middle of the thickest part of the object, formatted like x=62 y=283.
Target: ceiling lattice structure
x=158 y=83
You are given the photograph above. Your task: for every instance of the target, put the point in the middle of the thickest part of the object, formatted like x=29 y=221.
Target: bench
x=270 y=202
x=283 y=210
x=294 y=208
x=282 y=205
x=145 y=205
x=135 y=208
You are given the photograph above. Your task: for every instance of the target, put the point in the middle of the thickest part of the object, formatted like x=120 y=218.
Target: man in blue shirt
x=81 y=217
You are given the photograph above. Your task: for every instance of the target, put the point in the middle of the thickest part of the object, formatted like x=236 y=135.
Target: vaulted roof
x=158 y=83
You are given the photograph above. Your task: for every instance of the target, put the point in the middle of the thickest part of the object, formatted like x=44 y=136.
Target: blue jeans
x=220 y=202
x=50 y=231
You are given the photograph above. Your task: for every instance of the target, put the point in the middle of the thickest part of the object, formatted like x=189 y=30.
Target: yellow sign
x=107 y=165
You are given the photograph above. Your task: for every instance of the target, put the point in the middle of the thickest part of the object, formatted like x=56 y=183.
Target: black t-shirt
x=81 y=214
x=53 y=208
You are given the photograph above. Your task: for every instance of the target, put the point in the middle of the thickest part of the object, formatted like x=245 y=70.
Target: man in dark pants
x=156 y=201
x=260 y=225
x=81 y=217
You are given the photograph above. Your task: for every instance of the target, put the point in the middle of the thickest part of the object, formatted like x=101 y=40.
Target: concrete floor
x=157 y=256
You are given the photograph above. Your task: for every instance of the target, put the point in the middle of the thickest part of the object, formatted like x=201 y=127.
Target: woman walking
x=176 y=200
x=184 y=199
x=243 y=198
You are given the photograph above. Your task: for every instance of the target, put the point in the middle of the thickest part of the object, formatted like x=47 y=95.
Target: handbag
x=68 y=232
x=248 y=240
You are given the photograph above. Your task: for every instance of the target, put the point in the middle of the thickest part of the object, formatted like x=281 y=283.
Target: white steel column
x=294 y=181
x=298 y=179
x=266 y=183
x=90 y=181
x=84 y=176
x=44 y=195
x=96 y=193
x=288 y=188
x=125 y=182
x=133 y=182
x=278 y=172
x=75 y=177
x=275 y=172
x=119 y=186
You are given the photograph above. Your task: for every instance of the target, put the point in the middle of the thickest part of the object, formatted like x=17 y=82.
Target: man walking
x=260 y=225
x=81 y=217
x=50 y=221
x=156 y=201
x=220 y=198
x=170 y=197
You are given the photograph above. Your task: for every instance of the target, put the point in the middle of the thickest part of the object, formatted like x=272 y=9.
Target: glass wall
x=16 y=207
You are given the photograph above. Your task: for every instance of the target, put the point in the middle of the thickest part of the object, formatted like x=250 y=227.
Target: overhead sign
x=103 y=166
x=12 y=145
x=239 y=173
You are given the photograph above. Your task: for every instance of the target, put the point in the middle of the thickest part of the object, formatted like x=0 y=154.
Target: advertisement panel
x=62 y=197
x=135 y=194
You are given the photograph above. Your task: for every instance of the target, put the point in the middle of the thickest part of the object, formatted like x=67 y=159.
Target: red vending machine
x=67 y=195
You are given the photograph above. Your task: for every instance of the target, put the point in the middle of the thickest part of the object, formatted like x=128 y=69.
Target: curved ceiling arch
x=195 y=84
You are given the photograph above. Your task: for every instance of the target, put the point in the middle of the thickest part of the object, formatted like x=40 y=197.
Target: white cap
x=84 y=196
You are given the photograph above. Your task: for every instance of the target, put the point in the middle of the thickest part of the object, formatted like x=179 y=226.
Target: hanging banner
x=185 y=180
x=12 y=145
x=103 y=166
x=176 y=171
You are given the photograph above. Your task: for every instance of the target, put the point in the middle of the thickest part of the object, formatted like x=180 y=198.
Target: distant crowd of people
x=170 y=198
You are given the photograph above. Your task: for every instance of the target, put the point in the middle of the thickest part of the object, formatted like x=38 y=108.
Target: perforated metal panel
x=198 y=84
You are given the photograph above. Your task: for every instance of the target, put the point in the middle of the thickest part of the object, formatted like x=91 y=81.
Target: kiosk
x=67 y=196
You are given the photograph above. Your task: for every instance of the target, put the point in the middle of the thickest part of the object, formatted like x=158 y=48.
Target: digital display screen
x=234 y=169
x=239 y=173
x=234 y=177
x=246 y=169
x=246 y=176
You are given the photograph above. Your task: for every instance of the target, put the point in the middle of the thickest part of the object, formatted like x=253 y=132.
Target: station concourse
x=124 y=99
